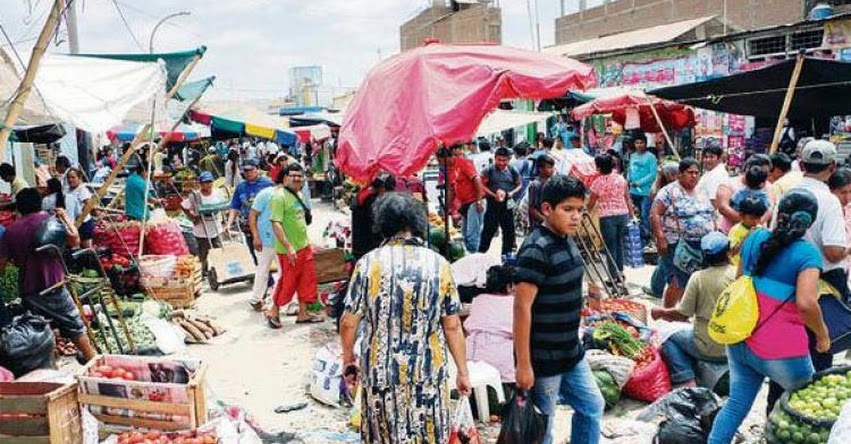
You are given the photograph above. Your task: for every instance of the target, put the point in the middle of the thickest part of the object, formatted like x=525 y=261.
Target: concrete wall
x=628 y=15
x=474 y=24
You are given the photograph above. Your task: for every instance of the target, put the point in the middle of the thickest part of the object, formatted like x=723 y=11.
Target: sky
x=253 y=43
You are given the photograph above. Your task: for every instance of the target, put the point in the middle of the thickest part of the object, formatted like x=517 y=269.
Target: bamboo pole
x=138 y=140
x=787 y=102
x=662 y=127
x=26 y=85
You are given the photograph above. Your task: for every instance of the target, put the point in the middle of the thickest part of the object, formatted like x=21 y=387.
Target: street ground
x=260 y=369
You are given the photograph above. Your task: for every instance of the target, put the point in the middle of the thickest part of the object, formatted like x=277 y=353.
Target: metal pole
x=157 y=26
x=26 y=87
x=71 y=25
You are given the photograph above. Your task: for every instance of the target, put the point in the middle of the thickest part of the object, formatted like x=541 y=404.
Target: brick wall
x=628 y=15
x=475 y=24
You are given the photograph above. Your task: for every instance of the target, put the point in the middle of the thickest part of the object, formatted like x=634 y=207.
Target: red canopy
x=674 y=115
x=438 y=94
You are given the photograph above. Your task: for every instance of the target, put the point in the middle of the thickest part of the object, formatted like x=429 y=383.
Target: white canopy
x=96 y=94
x=501 y=120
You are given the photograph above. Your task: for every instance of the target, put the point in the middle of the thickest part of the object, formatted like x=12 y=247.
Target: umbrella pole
x=446 y=207
x=662 y=126
x=787 y=102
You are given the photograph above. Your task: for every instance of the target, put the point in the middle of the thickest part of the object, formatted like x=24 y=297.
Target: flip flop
x=274 y=323
x=310 y=320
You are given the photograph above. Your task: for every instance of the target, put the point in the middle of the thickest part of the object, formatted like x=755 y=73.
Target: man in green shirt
x=295 y=254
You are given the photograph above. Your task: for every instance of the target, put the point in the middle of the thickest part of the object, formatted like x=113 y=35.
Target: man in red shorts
x=295 y=254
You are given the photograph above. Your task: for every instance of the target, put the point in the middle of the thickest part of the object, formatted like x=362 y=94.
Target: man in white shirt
x=818 y=162
x=715 y=173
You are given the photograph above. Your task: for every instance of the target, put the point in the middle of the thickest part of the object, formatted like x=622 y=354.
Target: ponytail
x=789 y=229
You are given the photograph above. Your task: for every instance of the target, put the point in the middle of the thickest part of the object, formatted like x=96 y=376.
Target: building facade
x=627 y=15
x=455 y=22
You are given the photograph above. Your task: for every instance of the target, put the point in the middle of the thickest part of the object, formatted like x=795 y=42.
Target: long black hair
x=795 y=214
x=54 y=186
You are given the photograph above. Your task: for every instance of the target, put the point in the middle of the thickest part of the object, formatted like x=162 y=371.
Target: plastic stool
x=482 y=376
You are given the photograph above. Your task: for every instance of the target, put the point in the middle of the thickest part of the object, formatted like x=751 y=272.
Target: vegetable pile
x=10 y=283
x=122 y=238
x=110 y=372
x=808 y=414
x=823 y=399
x=157 y=437
x=165 y=238
x=618 y=339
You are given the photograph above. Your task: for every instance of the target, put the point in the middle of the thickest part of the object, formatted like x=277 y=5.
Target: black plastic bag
x=27 y=344
x=51 y=231
x=522 y=422
x=686 y=415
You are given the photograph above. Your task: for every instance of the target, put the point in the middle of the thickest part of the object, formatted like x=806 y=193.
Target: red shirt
x=461 y=177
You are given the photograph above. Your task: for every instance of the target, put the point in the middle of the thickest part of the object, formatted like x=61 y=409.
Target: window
x=767 y=45
x=807 y=39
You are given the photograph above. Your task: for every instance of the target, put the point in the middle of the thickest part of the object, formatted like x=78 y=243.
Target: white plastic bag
x=170 y=337
x=841 y=431
x=327 y=376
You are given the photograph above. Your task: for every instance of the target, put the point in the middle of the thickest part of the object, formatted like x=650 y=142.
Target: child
x=752 y=210
x=685 y=348
x=547 y=305
x=755 y=180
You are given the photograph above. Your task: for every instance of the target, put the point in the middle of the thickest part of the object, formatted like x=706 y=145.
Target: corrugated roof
x=639 y=37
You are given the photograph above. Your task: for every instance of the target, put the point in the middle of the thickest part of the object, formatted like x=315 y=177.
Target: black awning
x=38 y=134
x=824 y=90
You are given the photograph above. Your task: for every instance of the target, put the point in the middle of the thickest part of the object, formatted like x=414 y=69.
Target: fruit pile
x=157 y=437
x=112 y=372
x=809 y=413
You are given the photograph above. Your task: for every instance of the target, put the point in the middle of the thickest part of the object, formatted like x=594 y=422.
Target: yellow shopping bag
x=736 y=313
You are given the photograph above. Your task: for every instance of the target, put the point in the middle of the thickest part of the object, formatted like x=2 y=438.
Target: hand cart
x=232 y=262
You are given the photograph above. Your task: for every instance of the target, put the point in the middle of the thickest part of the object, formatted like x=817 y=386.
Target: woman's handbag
x=687 y=258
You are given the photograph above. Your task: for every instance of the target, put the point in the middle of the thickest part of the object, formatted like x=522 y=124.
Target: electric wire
x=127 y=25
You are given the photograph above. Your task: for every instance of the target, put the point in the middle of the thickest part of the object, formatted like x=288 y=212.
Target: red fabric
x=674 y=115
x=438 y=95
x=299 y=277
x=461 y=177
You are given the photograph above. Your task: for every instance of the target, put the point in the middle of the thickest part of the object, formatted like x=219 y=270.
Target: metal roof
x=629 y=39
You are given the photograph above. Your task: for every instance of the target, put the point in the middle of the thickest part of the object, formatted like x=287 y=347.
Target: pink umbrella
x=438 y=94
x=672 y=114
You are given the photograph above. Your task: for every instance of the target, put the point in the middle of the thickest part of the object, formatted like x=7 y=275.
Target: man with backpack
x=502 y=186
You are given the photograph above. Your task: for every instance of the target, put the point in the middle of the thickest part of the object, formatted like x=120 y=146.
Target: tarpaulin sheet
x=190 y=91
x=96 y=94
x=241 y=119
x=674 y=116
x=824 y=89
x=437 y=94
x=175 y=62
x=38 y=133
x=34 y=111
x=501 y=120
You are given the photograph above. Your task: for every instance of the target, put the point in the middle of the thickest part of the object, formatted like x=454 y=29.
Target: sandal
x=310 y=320
x=274 y=323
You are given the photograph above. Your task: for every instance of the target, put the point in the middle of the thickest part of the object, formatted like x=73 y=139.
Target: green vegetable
x=618 y=339
x=10 y=283
x=608 y=387
x=89 y=273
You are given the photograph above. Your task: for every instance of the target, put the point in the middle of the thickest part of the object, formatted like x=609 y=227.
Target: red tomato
x=128 y=376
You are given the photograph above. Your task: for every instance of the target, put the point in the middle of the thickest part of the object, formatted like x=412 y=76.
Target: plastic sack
x=620 y=367
x=686 y=415
x=327 y=377
x=841 y=431
x=169 y=337
x=27 y=344
x=463 y=426
x=523 y=422
x=165 y=238
x=736 y=313
x=51 y=231
x=649 y=382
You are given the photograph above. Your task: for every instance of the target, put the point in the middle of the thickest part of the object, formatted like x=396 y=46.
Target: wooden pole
x=26 y=86
x=662 y=127
x=787 y=102
x=100 y=192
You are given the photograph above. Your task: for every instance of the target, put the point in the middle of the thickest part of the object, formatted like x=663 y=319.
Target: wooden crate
x=57 y=417
x=180 y=292
x=330 y=264
x=194 y=408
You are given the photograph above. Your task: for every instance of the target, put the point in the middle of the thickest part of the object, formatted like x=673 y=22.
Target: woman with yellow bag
x=785 y=270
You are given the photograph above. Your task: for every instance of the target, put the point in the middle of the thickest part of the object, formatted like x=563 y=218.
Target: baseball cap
x=714 y=243
x=250 y=163
x=819 y=152
x=206 y=176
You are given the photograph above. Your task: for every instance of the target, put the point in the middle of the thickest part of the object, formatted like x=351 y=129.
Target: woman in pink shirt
x=611 y=192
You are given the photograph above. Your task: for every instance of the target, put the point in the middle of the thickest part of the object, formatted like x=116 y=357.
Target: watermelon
x=608 y=387
x=437 y=237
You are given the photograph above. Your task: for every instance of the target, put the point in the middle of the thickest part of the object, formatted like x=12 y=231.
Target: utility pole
x=71 y=26
x=26 y=86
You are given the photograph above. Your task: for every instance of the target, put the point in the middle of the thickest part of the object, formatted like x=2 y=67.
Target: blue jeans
x=643 y=204
x=578 y=389
x=747 y=372
x=471 y=227
x=682 y=355
x=659 y=279
x=613 y=230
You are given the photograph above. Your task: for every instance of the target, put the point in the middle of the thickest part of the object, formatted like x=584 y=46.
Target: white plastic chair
x=482 y=376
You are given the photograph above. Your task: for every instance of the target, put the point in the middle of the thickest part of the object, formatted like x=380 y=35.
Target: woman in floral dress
x=406 y=297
